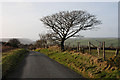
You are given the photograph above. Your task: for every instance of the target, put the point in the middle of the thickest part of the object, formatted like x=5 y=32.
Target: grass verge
x=86 y=65
x=11 y=59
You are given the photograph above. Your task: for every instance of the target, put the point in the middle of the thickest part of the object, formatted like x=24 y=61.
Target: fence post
x=98 y=50
x=116 y=52
x=89 y=47
x=104 y=50
x=78 y=46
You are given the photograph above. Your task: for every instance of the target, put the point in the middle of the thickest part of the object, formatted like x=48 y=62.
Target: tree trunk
x=62 y=45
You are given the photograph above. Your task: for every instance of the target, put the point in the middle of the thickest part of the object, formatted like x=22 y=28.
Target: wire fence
x=98 y=51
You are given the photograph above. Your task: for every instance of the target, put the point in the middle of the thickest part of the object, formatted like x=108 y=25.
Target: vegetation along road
x=38 y=65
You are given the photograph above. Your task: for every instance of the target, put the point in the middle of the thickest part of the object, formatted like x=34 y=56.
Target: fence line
x=98 y=48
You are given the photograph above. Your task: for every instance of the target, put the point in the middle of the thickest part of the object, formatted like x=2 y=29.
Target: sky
x=22 y=19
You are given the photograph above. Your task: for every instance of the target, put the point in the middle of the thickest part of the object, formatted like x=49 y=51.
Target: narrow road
x=38 y=65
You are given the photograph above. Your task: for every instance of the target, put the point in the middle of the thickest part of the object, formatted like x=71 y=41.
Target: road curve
x=38 y=65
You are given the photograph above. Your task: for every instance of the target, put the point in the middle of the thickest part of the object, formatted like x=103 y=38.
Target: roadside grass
x=11 y=59
x=86 y=65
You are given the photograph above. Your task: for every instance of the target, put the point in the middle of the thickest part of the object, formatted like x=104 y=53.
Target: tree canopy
x=14 y=42
x=68 y=23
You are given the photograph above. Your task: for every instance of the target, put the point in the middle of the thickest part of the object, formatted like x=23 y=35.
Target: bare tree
x=43 y=40
x=53 y=38
x=47 y=40
x=68 y=23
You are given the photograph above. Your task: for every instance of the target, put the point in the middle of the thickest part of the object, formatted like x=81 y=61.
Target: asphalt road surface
x=38 y=65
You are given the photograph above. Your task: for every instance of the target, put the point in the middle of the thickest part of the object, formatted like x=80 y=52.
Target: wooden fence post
x=104 y=50
x=89 y=47
x=78 y=46
x=98 y=50
x=116 y=52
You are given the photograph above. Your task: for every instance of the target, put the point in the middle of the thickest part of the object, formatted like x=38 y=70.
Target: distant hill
x=73 y=41
x=22 y=40
x=84 y=41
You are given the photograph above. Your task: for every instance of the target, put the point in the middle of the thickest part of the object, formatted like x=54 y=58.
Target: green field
x=84 y=41
x=108 y=53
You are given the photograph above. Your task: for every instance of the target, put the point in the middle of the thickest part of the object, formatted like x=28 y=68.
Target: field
x=84 y=41
x=85 y=64
x=108 y=53
x=109 y=42
x=11 y=59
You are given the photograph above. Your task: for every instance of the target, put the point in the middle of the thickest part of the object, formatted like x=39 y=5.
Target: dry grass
x=87 y=65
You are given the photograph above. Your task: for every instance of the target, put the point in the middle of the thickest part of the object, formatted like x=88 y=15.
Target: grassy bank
x=86 y=65
x=11 y=59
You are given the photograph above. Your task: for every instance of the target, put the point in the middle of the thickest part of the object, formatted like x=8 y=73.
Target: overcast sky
x=22 y=19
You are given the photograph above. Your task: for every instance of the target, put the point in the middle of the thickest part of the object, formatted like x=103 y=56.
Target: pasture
x=113 y=42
